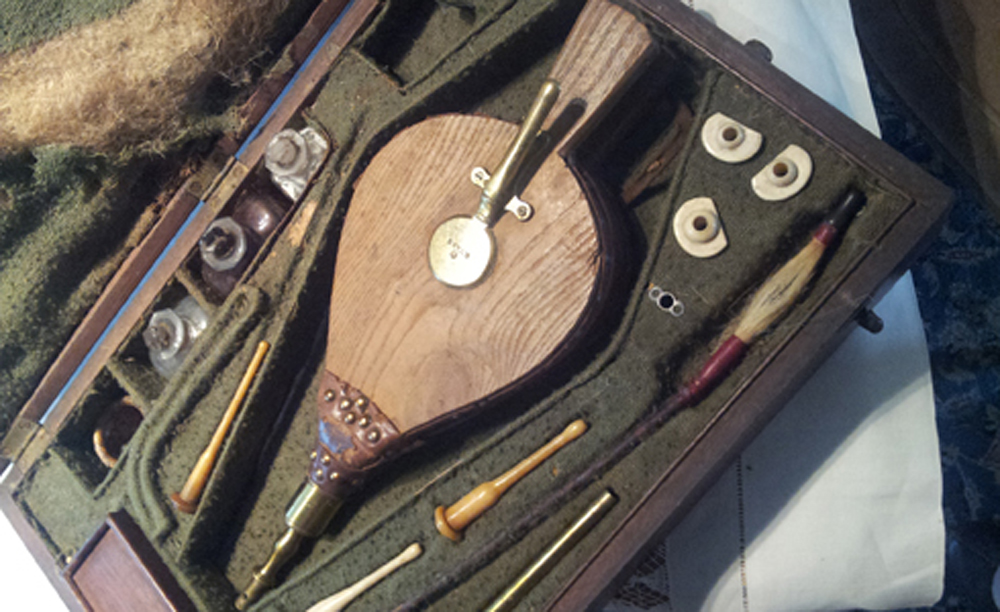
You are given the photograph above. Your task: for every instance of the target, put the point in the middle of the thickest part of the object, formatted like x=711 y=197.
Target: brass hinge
x=225 y=184
x=19 y=436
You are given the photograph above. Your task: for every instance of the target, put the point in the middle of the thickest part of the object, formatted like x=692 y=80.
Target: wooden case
x=364 y=90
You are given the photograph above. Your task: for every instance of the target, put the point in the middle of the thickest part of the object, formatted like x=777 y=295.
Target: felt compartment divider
x=158 y=471
x=131 y=365
x=195 y=286
x=75 y=440
x=283 y=296
x=608 y=397
x=406 y=42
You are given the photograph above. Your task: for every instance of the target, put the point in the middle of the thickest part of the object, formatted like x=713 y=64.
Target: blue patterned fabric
x=958 y=289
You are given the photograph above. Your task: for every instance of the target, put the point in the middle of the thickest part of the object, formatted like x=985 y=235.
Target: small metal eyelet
x=666 y=301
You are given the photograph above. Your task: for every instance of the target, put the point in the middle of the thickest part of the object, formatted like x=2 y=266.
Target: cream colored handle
x=450 y=522
x=187 y=499
x=340 y=600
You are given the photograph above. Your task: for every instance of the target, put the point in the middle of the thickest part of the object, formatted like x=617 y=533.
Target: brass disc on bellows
x=461 y=251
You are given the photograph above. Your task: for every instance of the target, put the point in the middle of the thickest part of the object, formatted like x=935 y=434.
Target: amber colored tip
x=441 y=522
x=182 y=504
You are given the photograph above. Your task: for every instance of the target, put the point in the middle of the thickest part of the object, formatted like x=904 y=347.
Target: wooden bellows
x=406 y=352
x=419 y=349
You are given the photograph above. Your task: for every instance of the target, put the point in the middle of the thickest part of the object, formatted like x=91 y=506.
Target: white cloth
x=23 y=585
x=837 y=504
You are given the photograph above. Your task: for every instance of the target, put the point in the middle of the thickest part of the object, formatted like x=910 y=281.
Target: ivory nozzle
x=340 y=600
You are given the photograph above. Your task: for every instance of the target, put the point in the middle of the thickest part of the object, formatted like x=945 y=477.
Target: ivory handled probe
x=340 y=600
x=187 y=499
x=451 y=521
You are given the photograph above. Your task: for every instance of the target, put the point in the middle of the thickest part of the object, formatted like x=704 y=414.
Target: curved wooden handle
x=187 y=499
x=604 y=52
x=451 y=521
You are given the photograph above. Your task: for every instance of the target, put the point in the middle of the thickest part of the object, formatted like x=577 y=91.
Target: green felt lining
x=67 y=221
x=69 y=218
x=24 y=23
x=371 y=94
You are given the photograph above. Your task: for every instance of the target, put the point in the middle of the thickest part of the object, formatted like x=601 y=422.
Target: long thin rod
x=784 y=287
x=553 y=554
x=187 y=499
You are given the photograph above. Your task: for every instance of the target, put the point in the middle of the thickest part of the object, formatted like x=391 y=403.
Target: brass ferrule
x=307 y=517
x=265 y=576
x=311 y=511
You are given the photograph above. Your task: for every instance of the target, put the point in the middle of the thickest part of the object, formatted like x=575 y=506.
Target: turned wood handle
x=451 y=521
x=187 y=499
x=603 y=53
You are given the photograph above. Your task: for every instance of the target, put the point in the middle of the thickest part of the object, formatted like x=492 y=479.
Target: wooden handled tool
x=187 y=499
x=777 y=295
x=451 y=521
x=409 y=354
x=340 y=600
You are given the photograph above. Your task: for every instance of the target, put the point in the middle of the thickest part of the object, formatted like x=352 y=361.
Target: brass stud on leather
x=318 y=474
x=330 y=395
x=374 y=435
x=326 y=460
x=350 y=417
x=312 y=456
x=345 y=404
x=361 y=403
x=364 y=422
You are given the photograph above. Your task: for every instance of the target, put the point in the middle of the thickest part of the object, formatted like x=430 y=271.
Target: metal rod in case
x=551 y=556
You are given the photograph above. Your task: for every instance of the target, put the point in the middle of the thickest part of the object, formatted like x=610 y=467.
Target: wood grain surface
x=420 y=349
x=417 y=347
x=604 y=52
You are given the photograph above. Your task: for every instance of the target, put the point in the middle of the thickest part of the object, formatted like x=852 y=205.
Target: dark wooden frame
x=34 y=543
x=773 y=384
x=158 y=586
x=760 y=398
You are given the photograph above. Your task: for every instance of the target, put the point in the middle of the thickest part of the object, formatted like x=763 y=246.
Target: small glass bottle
x=226 y=250
x=229 y=243
x=171 y=334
